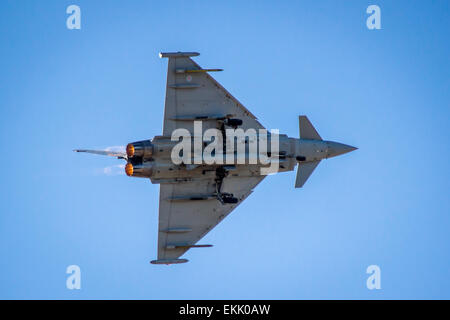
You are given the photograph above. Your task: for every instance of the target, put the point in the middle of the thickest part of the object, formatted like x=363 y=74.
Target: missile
x=197 y=70
x=187 y=246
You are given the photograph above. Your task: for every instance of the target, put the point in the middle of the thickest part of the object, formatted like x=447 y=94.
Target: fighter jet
x=195 y=194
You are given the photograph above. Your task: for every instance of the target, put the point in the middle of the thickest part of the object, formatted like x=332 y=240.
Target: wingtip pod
x=169 y=261
x=178 y=54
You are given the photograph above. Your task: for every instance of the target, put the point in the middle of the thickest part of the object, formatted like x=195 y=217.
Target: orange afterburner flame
x=130 y=150
x=129 y=169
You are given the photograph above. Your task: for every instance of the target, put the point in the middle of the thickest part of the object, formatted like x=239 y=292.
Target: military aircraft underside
x=211 y=155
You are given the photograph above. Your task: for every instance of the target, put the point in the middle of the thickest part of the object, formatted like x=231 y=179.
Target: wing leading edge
x=192 y=93
x=189 y=210
x=185 y=216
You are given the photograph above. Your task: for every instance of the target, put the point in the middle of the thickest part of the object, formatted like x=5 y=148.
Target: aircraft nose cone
x=336 y=149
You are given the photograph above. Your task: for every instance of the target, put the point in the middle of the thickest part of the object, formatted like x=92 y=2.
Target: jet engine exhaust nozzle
x=130 y=150
x=142 y=149
x=129 y=169
x=144 y=170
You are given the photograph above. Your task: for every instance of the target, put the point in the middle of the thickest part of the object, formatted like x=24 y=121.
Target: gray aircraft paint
x=194 y=198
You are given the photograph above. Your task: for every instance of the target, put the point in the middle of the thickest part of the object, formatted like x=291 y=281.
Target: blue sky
x=385 y=91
